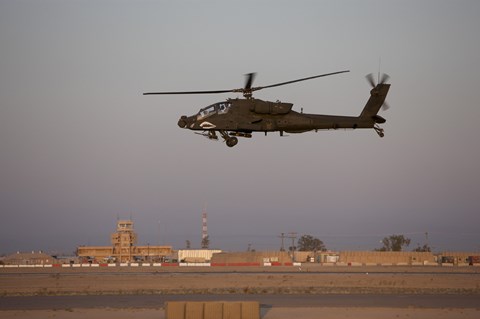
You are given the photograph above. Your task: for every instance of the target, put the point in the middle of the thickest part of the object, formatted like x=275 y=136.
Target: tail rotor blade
x=385 y=78
x=385 y=106
x=370 y=79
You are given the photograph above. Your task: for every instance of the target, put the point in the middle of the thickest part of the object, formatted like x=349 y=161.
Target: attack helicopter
x=241 y=117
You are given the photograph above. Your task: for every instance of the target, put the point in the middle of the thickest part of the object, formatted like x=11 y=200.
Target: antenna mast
x=204 y=226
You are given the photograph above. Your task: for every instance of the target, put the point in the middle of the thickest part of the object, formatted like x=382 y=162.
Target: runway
x=266 y=301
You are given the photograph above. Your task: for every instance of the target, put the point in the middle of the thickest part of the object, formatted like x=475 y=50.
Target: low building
x=196 y=255
x=316 y=256
x=124 y=248
x=30 y=258
x=252 y=257
x=459 y=258
x=387 y=257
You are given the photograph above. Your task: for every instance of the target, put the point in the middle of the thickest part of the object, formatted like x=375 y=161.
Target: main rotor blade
x=248 y=89
x=294 y=81
x=249 y=82
x=191 y=92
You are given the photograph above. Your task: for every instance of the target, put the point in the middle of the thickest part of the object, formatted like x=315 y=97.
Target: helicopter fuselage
x=241 y=117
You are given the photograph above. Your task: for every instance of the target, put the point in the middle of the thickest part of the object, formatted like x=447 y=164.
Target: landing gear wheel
x=379 y=131
x=232 y=141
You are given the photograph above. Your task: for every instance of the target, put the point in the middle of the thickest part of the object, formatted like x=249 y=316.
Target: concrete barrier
x=175 y=310
x=250 y=310
x=354 y=264
x=194 y=310
x=194 y=264
x=170 y=264
x=219 y=264
x=212 y=309
x=232 y=310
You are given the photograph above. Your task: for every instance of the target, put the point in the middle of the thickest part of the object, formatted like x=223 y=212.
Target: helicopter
x=239 y=117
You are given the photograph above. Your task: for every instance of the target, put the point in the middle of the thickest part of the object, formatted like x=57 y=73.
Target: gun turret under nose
x=182 y=122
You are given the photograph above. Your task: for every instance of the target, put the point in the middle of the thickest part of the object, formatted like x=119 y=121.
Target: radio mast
x=205 y=240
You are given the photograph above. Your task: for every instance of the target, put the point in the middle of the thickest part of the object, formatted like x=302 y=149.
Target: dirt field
x=281 y=280
x=199 y=280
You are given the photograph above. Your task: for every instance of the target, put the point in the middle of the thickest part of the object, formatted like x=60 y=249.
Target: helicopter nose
x=182 y=122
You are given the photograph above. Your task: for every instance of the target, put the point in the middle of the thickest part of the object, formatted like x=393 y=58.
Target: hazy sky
x=80 y=146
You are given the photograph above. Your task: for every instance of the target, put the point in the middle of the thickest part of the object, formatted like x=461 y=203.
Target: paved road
x=266 y=301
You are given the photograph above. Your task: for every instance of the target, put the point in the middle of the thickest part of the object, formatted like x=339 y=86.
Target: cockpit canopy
x=217 y=108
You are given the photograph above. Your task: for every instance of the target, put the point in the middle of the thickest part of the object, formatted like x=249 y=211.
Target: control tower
x=124 y=239
x=124 y=248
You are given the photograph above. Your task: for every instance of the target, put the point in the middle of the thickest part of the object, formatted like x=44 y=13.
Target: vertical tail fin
x=375 y=102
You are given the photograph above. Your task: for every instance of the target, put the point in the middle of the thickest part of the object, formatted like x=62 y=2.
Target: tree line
x=390 y=243
x=311 y=243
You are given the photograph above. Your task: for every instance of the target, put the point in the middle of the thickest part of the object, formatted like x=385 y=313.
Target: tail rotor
x=382 y=79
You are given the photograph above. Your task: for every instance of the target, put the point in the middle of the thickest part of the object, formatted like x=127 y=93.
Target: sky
x=81 y=147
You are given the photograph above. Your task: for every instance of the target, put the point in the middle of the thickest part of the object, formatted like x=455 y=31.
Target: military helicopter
x=241 y=117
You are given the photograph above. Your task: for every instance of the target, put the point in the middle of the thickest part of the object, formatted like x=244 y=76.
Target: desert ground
x=244 y=281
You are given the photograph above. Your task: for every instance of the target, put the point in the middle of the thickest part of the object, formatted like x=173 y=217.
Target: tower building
x=124 y=248
x=124 y=239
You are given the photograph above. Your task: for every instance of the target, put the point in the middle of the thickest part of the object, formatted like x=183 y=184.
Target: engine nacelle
x=378 y=119
x=265 y=107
